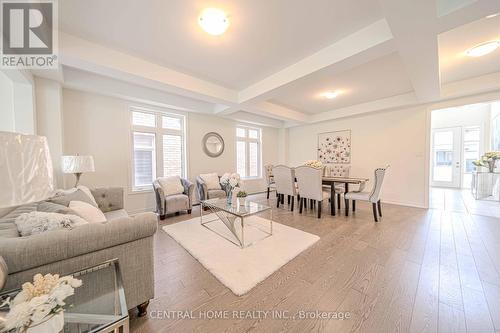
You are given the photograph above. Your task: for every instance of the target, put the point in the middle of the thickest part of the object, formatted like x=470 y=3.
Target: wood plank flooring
x=416 y=271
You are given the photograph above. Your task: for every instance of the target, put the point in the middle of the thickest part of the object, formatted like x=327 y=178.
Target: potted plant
x=242 y=197
x=39 y=306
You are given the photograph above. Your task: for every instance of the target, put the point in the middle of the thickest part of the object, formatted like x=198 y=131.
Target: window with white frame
x=158 y=146
x=248 y=151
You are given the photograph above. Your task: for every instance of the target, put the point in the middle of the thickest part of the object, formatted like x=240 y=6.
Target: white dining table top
x=352 y=180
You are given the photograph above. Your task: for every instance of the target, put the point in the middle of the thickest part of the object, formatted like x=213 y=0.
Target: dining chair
x=373 y=196
x=268 y=169
x=284 y=179
x=337 y=170
x=309 y=181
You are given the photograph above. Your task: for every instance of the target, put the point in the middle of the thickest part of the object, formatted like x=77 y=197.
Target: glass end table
x=97 y=306
x=234 y=217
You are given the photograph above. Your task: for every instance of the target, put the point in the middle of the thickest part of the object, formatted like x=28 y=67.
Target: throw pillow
x=88 y=212
x=171 y=185
x=211 y=180
x=50 y=207
x=38 y=222
x=87 y=191
x=3 y=272
x=77 y=195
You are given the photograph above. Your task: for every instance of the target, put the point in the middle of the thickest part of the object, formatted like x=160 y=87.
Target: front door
x=446 y=160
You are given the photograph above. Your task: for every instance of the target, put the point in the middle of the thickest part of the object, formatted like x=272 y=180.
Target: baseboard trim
x=407 y=204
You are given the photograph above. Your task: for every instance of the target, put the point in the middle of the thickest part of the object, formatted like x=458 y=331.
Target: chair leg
x=268 y=190
x=189 y=211
x=282 y=199
x=379 y=206
x=293 y=200
x=346 y=202
x=278 y=200
x=338 y=200
x=354 y=205
x=288 y=199
x=305 y=203
x=375 y=211
x=319 y=209
x=311 y=203
x=301 y=203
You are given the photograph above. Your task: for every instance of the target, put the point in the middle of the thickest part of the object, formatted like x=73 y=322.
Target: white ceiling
x=454 y=64
x=277 y=56
x=380 y=78
x=263 y=36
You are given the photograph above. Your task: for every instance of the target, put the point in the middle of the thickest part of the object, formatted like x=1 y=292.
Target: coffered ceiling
x=278 y=56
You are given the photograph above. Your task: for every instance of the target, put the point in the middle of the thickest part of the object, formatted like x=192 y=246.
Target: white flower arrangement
x=230 y=180
x=314 y=163
x=39 y=300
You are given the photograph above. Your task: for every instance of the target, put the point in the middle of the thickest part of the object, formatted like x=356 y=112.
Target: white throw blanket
x=38 y=222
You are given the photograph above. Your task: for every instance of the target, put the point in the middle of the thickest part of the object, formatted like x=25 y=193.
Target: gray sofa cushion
x=77 y=195
x=108 y=198
x=115 y=214
x=176 y=203
x=8 y=228
x=216 y=194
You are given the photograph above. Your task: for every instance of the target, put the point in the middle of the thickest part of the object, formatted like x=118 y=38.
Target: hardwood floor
x=415 y=271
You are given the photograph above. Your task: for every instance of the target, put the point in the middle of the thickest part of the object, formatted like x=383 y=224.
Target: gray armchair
x=173 y=203
x=204 y=193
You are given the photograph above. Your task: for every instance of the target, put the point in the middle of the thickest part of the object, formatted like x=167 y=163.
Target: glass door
x=446 y=161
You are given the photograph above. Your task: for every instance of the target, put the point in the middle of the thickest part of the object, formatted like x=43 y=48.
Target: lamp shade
x=25 y=169
x=77 y=164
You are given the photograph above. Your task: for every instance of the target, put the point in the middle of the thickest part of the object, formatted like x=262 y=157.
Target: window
x=248 y=152
x=158 y=147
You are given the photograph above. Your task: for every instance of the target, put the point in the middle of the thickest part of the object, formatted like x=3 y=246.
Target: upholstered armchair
x=269 y=178
x=284 y=178
x=173 y=203
x=337 y=170
x=204 y=192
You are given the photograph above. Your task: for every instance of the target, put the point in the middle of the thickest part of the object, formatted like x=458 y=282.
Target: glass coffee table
x=235 y=219
x=97 y=306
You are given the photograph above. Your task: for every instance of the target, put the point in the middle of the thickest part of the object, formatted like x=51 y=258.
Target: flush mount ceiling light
x=330 y=94
x=214 y=21
x=482 y=49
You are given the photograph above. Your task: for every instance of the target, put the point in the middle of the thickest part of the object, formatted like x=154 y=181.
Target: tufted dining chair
x=373 y=196
x=268 y=169
x=337 y=170
x=309 y=181
x=284 y=179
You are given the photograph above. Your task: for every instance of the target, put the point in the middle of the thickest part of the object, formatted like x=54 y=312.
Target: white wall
x=7 y=123
x=396 y=137
x=100 y=126
x=50 y=121
x=17 y=102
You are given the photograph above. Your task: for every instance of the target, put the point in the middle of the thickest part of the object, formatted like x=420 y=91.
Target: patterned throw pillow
x=38 y=222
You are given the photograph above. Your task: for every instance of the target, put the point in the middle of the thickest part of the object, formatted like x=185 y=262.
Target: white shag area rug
x=240 y=269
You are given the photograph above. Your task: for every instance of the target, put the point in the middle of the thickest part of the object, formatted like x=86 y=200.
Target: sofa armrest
x=202 y=188
x=188 y=190
x=108 y=198
x=23 y=253
x=159 y=197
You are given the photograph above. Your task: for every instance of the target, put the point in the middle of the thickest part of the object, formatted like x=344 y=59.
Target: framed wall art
x=335 y=147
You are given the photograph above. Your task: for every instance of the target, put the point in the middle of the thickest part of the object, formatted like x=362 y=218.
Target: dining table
x=332 y=181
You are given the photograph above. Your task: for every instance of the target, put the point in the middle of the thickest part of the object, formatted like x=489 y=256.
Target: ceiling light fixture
x=214 y=21
x=330 y=94
x=482 y=49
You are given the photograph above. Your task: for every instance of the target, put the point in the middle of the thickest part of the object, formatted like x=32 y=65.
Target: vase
x=242 y=201
x=50 y=324
x=491 y=165
x=229 y=194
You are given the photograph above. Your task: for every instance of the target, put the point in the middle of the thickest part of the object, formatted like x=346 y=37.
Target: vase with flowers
x=314 y=164
x=39 y=306
x=488 y=160
x=242 y=198
x=230 y=181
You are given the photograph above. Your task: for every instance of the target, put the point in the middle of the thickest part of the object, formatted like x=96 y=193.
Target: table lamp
x=77 y=165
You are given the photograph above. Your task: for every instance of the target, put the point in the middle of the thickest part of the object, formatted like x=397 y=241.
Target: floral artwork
x=334 y=147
